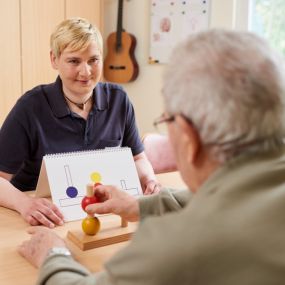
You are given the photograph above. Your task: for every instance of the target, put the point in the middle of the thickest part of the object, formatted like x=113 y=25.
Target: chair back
x=159 y=152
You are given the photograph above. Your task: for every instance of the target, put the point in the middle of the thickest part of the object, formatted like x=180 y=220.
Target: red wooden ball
x=87 y=201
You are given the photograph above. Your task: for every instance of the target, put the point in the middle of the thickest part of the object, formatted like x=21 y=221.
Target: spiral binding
x=87 y=152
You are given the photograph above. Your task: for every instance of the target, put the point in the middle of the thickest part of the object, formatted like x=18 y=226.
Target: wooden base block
x=104 y=237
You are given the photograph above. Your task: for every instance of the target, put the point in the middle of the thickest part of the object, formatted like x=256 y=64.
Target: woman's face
x=80 y=71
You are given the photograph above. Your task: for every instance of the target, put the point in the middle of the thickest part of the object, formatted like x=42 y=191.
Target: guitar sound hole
x=119 y=67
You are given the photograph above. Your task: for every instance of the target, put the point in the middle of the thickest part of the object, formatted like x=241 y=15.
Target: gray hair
x=230 y=85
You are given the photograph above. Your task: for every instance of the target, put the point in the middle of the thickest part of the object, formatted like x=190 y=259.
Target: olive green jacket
x=232 y=231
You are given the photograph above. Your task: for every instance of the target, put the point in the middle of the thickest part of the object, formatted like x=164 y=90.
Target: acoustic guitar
x=120 y=64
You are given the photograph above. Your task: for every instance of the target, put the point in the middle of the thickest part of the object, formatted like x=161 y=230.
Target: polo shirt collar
x=58 y=104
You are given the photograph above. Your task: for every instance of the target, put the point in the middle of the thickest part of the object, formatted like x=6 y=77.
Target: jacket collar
x=239 y=170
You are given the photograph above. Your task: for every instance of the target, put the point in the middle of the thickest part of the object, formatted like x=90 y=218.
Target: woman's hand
x=147 y=177
x=40 y=211
x=152 y=187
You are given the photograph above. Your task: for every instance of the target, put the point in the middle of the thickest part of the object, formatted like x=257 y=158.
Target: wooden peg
x=124 y=223
x=89 y=190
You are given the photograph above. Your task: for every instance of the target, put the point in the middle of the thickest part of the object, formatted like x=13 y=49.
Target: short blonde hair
x=76 y=34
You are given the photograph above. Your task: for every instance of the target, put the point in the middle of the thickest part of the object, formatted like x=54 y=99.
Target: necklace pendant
x=81 y=106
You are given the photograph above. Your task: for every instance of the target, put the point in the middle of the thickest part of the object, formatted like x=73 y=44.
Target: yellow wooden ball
x=90 y=225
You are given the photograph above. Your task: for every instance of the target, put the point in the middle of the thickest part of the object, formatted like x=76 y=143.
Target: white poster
x=172 y=21
x=65 y=176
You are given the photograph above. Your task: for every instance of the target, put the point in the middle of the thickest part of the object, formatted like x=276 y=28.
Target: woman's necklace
x=79 y=105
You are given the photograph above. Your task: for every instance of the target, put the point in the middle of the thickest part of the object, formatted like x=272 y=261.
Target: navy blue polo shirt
x=41 y=123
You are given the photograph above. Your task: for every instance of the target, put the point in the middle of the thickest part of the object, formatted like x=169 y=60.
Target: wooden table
x=16 y=270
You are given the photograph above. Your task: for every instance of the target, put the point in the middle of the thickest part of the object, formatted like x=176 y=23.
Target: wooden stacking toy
x=94 y=233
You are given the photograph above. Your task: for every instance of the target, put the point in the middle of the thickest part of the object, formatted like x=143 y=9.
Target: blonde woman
x=76 y=112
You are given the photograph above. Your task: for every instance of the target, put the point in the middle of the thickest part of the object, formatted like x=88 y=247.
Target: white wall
x=144 y=92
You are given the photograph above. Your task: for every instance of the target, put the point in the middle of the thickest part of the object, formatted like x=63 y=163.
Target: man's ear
x=191 y=139
x=53 y=60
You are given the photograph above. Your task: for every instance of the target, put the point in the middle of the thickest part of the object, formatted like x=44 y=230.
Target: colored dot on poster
x=96 y=177
x=71 y=192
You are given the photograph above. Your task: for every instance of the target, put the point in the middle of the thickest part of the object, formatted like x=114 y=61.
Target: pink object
x=159 y=152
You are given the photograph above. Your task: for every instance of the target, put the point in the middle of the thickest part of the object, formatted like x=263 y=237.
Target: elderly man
x=224 y=111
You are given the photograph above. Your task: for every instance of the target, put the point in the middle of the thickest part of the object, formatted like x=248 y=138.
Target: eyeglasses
x=163 y=119
x=232 y=145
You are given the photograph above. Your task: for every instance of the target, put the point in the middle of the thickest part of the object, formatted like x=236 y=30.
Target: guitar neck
x=119 y=25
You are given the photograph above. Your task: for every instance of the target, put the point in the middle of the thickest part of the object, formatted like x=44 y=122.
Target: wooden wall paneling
x=10 y=79
x=38 y=18
x=25 y=28
x=89 y=9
